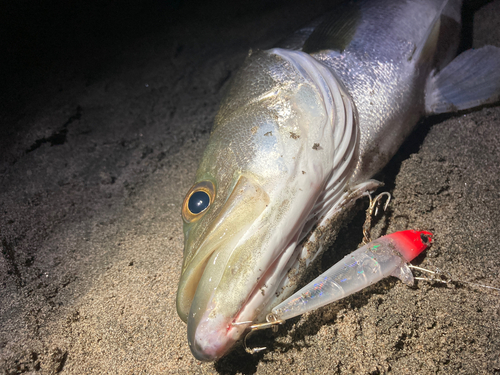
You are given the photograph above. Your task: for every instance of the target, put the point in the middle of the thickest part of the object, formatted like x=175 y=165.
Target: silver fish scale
x=382 y=105
x=256 y=78
x=379 y=72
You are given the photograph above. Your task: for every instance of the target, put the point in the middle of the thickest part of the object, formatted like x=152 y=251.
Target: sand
x=107 y=108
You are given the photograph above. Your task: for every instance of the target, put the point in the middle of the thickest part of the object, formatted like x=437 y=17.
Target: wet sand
x=101 y=133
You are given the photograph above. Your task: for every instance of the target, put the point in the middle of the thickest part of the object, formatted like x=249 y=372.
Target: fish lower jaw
x=214 y=337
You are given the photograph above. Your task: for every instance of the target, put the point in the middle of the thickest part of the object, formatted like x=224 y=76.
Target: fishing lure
x=387 y=256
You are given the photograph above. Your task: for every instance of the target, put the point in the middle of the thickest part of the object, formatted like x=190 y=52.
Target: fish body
x=296 y=140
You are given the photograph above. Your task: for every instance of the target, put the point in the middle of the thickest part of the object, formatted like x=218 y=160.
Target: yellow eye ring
x=198 y=200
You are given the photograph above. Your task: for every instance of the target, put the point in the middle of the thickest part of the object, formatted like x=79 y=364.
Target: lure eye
x=198 y=200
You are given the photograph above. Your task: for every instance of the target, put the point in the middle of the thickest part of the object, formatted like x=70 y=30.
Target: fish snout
x=212 y=338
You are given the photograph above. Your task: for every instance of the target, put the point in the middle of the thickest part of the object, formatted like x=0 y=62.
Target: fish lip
x=183 y=315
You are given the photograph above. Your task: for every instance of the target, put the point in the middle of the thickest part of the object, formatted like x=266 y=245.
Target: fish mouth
x=215 y=333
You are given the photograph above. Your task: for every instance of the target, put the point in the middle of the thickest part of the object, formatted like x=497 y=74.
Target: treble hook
x=374 y=203
x=271 y=322
x=440 y=277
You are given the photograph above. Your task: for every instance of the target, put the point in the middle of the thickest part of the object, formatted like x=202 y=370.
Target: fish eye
x=198 y=200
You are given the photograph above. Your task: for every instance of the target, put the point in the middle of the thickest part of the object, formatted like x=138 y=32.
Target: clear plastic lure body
x=367 y=265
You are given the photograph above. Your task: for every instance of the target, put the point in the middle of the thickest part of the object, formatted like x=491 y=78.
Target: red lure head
x=410 y=243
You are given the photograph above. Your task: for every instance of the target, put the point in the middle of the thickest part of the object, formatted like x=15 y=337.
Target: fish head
x=271 y=150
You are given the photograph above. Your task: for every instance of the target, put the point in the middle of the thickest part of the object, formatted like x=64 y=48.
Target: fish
x=298 y=137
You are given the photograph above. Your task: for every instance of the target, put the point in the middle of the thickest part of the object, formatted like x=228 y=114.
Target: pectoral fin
x=472 y=79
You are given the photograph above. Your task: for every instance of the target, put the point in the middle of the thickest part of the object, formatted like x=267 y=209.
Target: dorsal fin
x=336 y=31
